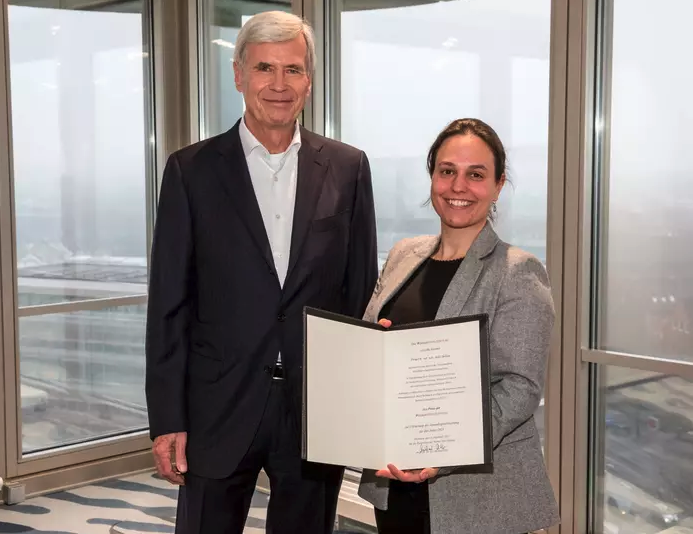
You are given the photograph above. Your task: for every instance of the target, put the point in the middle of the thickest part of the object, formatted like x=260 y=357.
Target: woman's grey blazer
x=512 y=287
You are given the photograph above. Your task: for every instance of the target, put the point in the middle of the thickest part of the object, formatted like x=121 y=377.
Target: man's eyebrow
x=265 y=65
x=478 y=166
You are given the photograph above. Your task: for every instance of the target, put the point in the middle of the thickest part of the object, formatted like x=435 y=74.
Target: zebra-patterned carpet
x=134 y=505
x=140 y=504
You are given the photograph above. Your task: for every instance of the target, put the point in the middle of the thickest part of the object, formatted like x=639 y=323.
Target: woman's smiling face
x=463 y=183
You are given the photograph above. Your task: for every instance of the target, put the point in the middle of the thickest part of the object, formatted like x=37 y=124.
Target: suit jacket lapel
x=312 y=166
x=233 y=173
x=467 y=274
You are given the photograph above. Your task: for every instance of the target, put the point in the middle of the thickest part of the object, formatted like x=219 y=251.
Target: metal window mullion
x=601 y=166
x=81 y=305
x=596 y=450
x=333 y=69
x=8 y=263
x=554 y=236
x=203 y=23
x=195 y=70
x=573 y=449
x=314 y=112
x=8 y=418
x=651 y=364
x=150 y=140
x=172 y=84
x=598 y=250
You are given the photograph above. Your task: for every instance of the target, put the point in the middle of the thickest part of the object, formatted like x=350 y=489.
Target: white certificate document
x=414 y=396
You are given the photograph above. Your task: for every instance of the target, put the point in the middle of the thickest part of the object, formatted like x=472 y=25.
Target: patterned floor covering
x=140 y=504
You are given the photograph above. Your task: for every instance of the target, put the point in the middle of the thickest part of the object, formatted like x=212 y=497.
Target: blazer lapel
x=233 y=173
x=460 y=287
x=468 y=273
x=312 y=166
x=399 y=276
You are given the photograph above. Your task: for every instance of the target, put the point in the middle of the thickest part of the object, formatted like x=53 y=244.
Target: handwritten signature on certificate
x=427 y=448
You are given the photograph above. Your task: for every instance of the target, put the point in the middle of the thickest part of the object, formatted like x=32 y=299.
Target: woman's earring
x=494 y=209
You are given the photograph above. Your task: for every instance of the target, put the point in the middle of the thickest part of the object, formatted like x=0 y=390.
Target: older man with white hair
x=253 y=225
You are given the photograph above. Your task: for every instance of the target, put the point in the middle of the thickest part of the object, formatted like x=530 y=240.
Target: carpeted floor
x=134 y=505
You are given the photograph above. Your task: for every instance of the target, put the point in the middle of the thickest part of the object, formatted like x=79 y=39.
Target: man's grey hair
x=275 y=27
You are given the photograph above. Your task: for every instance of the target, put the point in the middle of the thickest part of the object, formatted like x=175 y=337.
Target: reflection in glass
x=646 y=480
x=221 y=20
x=79 y=149
x=647 y=297
x=82 y=376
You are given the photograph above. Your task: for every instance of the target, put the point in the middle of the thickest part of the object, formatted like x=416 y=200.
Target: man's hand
x=418 y=475
x=169 y=455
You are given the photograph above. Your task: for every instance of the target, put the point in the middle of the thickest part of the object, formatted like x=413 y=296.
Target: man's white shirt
x=274 y=178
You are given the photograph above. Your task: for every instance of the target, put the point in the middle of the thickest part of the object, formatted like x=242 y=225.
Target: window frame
x=594 y=191
x=130 y=450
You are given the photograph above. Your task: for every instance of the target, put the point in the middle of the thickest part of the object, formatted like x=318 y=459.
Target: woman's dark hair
x=470 y=127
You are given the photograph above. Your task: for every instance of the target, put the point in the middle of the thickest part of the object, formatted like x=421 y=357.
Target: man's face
x=274 y=81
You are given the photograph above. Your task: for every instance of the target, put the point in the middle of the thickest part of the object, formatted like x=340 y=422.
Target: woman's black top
x=418 y=299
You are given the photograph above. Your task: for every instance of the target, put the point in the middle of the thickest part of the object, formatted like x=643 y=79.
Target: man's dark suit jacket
x=217 y=315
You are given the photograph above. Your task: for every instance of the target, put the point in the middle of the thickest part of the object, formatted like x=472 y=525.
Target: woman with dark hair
x=468 y=270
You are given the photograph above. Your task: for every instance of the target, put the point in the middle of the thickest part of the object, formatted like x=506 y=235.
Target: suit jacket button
x=281 y=317
x=268 y=369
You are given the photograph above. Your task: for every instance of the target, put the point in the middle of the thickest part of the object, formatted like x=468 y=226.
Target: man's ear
x=238 y=76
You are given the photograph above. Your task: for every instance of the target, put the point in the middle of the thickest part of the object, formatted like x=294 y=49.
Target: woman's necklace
x=437 y=256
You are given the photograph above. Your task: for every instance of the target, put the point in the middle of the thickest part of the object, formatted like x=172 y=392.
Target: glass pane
x=82 y=159
x=393 y=59
x=80 y=151
x=406 y=71
x=221 y=20
x=82 y=376
x=645 y=469
x=647 y=296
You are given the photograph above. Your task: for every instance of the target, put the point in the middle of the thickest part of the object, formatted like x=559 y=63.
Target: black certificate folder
x=414 y=395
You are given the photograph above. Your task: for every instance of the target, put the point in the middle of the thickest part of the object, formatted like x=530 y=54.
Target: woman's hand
x=386 y=323
x=417 y=475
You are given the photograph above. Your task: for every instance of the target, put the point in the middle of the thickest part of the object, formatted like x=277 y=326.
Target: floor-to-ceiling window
x=399 y=71
x=641 y=331
x=82 y=176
